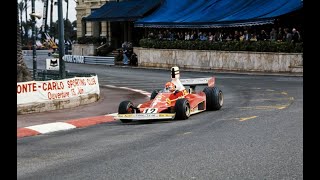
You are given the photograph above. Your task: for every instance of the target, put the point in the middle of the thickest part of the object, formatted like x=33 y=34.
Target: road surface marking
x=131 y=89
x=51 y=127
x=276 y=99
x=186 y=133
x=267 y=107
x=247 y=118
x=269 y=90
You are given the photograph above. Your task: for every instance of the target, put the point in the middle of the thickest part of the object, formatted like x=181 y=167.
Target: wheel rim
x=187 y=110
x=220 y=98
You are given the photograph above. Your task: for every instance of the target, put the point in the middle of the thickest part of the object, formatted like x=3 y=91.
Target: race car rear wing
x=198 y=81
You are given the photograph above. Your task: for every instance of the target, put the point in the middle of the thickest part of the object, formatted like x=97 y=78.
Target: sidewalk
x=81 y=116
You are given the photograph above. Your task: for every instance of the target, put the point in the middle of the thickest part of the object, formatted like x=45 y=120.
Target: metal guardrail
x=103 y=60
x=40 y=52
x=45 y=75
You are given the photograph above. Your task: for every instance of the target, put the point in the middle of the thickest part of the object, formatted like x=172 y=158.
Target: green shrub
x=104 y=51
x=89 y=40
x=257 y=46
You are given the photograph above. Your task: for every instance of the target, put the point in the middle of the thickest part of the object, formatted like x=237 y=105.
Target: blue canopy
x=217 y=13
x=130 y=10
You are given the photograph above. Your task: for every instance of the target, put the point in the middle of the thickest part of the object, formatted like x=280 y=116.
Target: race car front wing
x=145 y=116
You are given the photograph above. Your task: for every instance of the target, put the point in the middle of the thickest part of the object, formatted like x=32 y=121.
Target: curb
x=73 y=123
x=66 y=125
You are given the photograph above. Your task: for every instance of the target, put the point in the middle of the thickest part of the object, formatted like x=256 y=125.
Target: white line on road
x=51 y=127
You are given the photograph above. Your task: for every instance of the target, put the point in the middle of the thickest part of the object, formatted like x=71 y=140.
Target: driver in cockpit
x=169 y=87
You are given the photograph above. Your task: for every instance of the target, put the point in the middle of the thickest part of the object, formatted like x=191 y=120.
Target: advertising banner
x=41 y=91
x=73 y=59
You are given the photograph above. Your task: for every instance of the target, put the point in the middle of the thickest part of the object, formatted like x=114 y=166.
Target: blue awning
x=130 y=10
x=217 y=13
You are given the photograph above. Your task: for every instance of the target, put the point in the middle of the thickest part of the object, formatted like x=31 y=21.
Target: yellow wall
x=83 y=9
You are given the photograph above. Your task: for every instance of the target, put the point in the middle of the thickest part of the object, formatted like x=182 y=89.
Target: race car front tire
x=182 y=108
x=125 y=107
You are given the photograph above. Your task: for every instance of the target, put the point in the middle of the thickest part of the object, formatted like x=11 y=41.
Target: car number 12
x=150 y=110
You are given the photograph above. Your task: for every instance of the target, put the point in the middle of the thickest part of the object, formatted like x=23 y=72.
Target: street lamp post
x=34 y=40
x=62 y=70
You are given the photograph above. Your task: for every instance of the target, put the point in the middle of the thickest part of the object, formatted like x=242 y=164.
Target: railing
x=99 y=60
x=45 y=75
x=40 y=52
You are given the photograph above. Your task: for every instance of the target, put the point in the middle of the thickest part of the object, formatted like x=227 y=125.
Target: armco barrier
x=38 y=52
x=99 y=60
x=102 y=60
x=44 y=75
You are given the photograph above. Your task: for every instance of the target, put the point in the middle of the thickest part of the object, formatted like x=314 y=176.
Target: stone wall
x=220 y=60
x=84 y=49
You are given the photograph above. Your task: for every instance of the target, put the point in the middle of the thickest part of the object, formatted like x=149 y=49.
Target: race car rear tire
x=209 y=98
x=125 y=107
x=214 y=98
x=217 y=99
x=154 y=94
x=182 y=108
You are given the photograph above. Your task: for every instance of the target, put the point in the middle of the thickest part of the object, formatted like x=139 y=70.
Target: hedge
x=90 y=40
x=257 y=46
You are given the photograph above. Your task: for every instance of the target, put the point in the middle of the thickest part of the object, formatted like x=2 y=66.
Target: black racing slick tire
x=182 y=108
x=154 y=94
x=214 y=98
x=217 y=100
x=125 y=107
x=209 y=98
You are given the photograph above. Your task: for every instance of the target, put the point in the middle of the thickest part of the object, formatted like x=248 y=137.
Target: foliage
x=257 y=46
x=104 y=51
x=90 y=40
x=22 y=71
x=69 y=32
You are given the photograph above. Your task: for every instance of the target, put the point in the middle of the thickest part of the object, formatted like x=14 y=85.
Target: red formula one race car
x=166 y=104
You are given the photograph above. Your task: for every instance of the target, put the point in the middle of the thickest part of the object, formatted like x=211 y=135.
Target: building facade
x=89 y=28
x=115 y=33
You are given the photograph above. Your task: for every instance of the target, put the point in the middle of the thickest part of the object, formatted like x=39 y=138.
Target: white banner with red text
x=41 y=91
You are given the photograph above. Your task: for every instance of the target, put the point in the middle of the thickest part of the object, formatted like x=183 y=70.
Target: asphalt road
x=258 y=134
